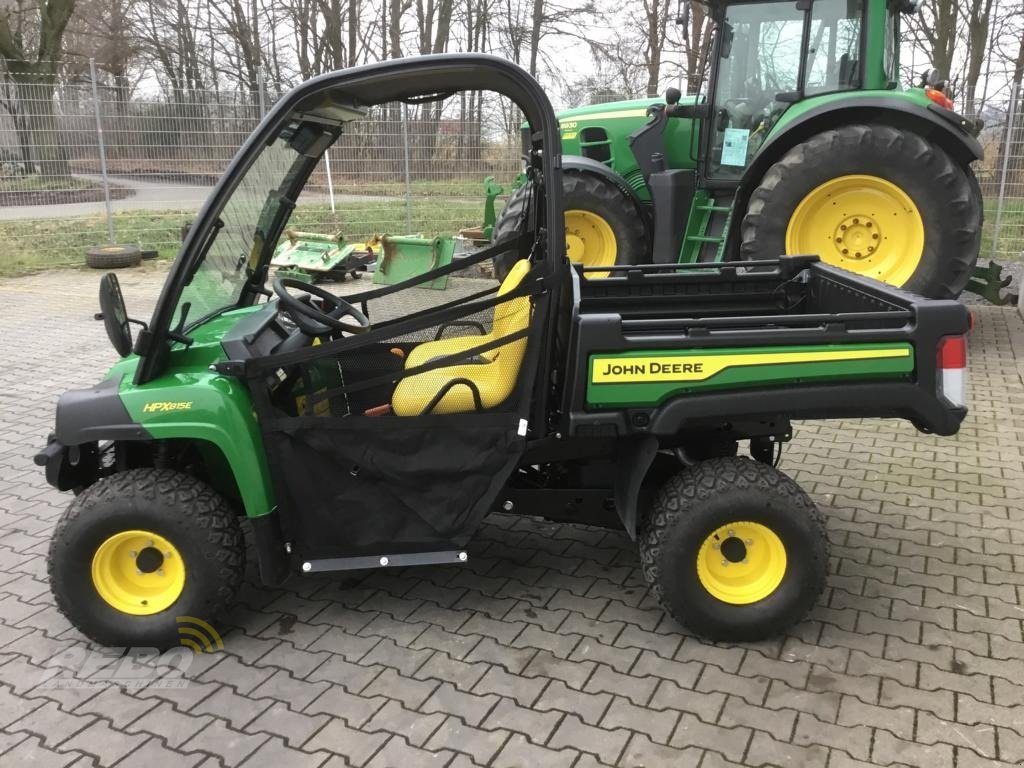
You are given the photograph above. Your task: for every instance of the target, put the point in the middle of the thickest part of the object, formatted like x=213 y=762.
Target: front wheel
x=603 y=227
x=734 y=550
x=875 y=200
x=144 y=557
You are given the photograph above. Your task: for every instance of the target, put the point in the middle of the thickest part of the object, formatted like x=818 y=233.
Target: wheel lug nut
x=874 y=236
x=715 y=545
x=133 y=554
x=138 y=572
x=725 y=562
x=856 y=221
x=845 y=251
x=732 y=533
x=839 y=239
x=867 y=224
x=749 y=542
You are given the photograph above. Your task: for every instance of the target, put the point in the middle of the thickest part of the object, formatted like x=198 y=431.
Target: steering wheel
x=312 y=320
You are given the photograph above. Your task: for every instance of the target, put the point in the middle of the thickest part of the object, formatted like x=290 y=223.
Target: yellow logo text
x=167 y=405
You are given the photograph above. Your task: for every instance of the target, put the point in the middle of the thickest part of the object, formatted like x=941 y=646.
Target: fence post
x=103 y=151
x=408 y=178
x=1011 y=117
x=330 y=181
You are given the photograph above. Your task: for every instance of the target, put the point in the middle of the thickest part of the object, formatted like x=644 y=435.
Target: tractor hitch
x=988 y=282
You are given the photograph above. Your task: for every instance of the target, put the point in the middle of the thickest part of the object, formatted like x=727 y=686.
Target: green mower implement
x=377 y=429
x=802 y=143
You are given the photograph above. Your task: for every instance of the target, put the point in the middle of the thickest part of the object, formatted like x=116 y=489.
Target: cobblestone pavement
x=546 y=649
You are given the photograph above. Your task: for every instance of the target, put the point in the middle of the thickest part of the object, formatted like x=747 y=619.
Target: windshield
x=248 y=217
x=765 y=64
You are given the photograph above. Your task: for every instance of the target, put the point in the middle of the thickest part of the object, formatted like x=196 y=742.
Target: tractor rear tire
x=586 y=197
x=142 y=553
x=877 y=200
x=734 y=550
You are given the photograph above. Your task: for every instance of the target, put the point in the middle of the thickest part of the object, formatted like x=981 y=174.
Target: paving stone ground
x=547 y=649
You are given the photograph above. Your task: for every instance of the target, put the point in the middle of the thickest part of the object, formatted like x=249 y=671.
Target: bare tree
x=31 y=34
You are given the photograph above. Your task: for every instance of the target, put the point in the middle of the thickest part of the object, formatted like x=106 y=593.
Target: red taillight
x=939 y=97
x=953 y=352
x=951 y=382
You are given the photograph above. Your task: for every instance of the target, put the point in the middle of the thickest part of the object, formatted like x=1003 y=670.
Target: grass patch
x=43 y=184
x=34 y=244
x=1011 y=233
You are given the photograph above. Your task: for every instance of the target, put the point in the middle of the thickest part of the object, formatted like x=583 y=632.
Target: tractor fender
x=633 y=460
x=941 y=126
x=589 y=165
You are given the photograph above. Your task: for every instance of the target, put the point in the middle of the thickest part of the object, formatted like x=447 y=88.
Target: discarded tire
x=113 y=256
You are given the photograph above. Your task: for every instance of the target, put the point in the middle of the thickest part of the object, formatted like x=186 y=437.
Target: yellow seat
x=495 y=377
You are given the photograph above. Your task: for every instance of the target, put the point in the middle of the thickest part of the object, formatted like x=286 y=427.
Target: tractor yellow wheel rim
x=138 y=572
x=741 y=563
x=864 y=224
x=589 y=240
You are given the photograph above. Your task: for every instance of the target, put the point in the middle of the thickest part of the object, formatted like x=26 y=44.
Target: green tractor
x=804 y=144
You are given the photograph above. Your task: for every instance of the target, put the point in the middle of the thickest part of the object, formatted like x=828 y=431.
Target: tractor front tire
x=876 y=200
x=139 y=550
x=734 y=550
x=602 y=225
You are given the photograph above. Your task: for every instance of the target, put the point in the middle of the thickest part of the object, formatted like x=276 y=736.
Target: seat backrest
x=514 y=315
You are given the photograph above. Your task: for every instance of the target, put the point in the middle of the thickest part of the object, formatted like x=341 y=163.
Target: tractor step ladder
x=715 y=219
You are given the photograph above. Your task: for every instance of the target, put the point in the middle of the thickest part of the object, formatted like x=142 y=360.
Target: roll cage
x=330 y=101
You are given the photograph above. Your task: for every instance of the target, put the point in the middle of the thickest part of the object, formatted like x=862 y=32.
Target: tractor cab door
x=769 y=56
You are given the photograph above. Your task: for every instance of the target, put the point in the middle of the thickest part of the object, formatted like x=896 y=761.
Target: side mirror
x=115 y=316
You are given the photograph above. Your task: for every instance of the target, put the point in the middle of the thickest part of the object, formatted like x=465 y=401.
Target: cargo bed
x=736 y=347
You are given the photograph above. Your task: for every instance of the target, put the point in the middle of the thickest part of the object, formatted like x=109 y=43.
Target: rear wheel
x=140 y=551
x=872 y=199
x=734 y=550
x=602 y=225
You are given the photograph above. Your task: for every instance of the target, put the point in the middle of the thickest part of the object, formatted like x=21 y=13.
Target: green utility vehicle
x=804 y=143
x=371 y=431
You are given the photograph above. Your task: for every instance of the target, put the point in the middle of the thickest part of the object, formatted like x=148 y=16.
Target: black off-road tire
x=188 y=513
x=113 y=256
x=694 y=503
x=948 y=201
x=580 y=191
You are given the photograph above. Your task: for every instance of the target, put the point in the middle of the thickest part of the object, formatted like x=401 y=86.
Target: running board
x=384 y=561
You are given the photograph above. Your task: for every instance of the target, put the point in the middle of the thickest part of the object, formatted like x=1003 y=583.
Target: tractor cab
x=770 y=55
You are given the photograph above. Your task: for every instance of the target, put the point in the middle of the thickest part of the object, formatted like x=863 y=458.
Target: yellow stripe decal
x=701 y=367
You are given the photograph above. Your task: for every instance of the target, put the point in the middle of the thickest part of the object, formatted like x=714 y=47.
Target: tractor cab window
x=758 y=75
x=833 y=47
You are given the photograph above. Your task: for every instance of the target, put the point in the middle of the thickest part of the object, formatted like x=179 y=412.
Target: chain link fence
x=83 y=163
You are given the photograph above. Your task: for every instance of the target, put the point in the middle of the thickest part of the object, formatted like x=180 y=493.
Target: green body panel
x=640 y=393
x=219 y=410
x=617 y=121
x=913 y=96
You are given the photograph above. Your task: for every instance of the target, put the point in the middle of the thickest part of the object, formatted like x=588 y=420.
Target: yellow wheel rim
x=741 y=563
x=864 y=224
x=589 y=240
x=138 y=572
